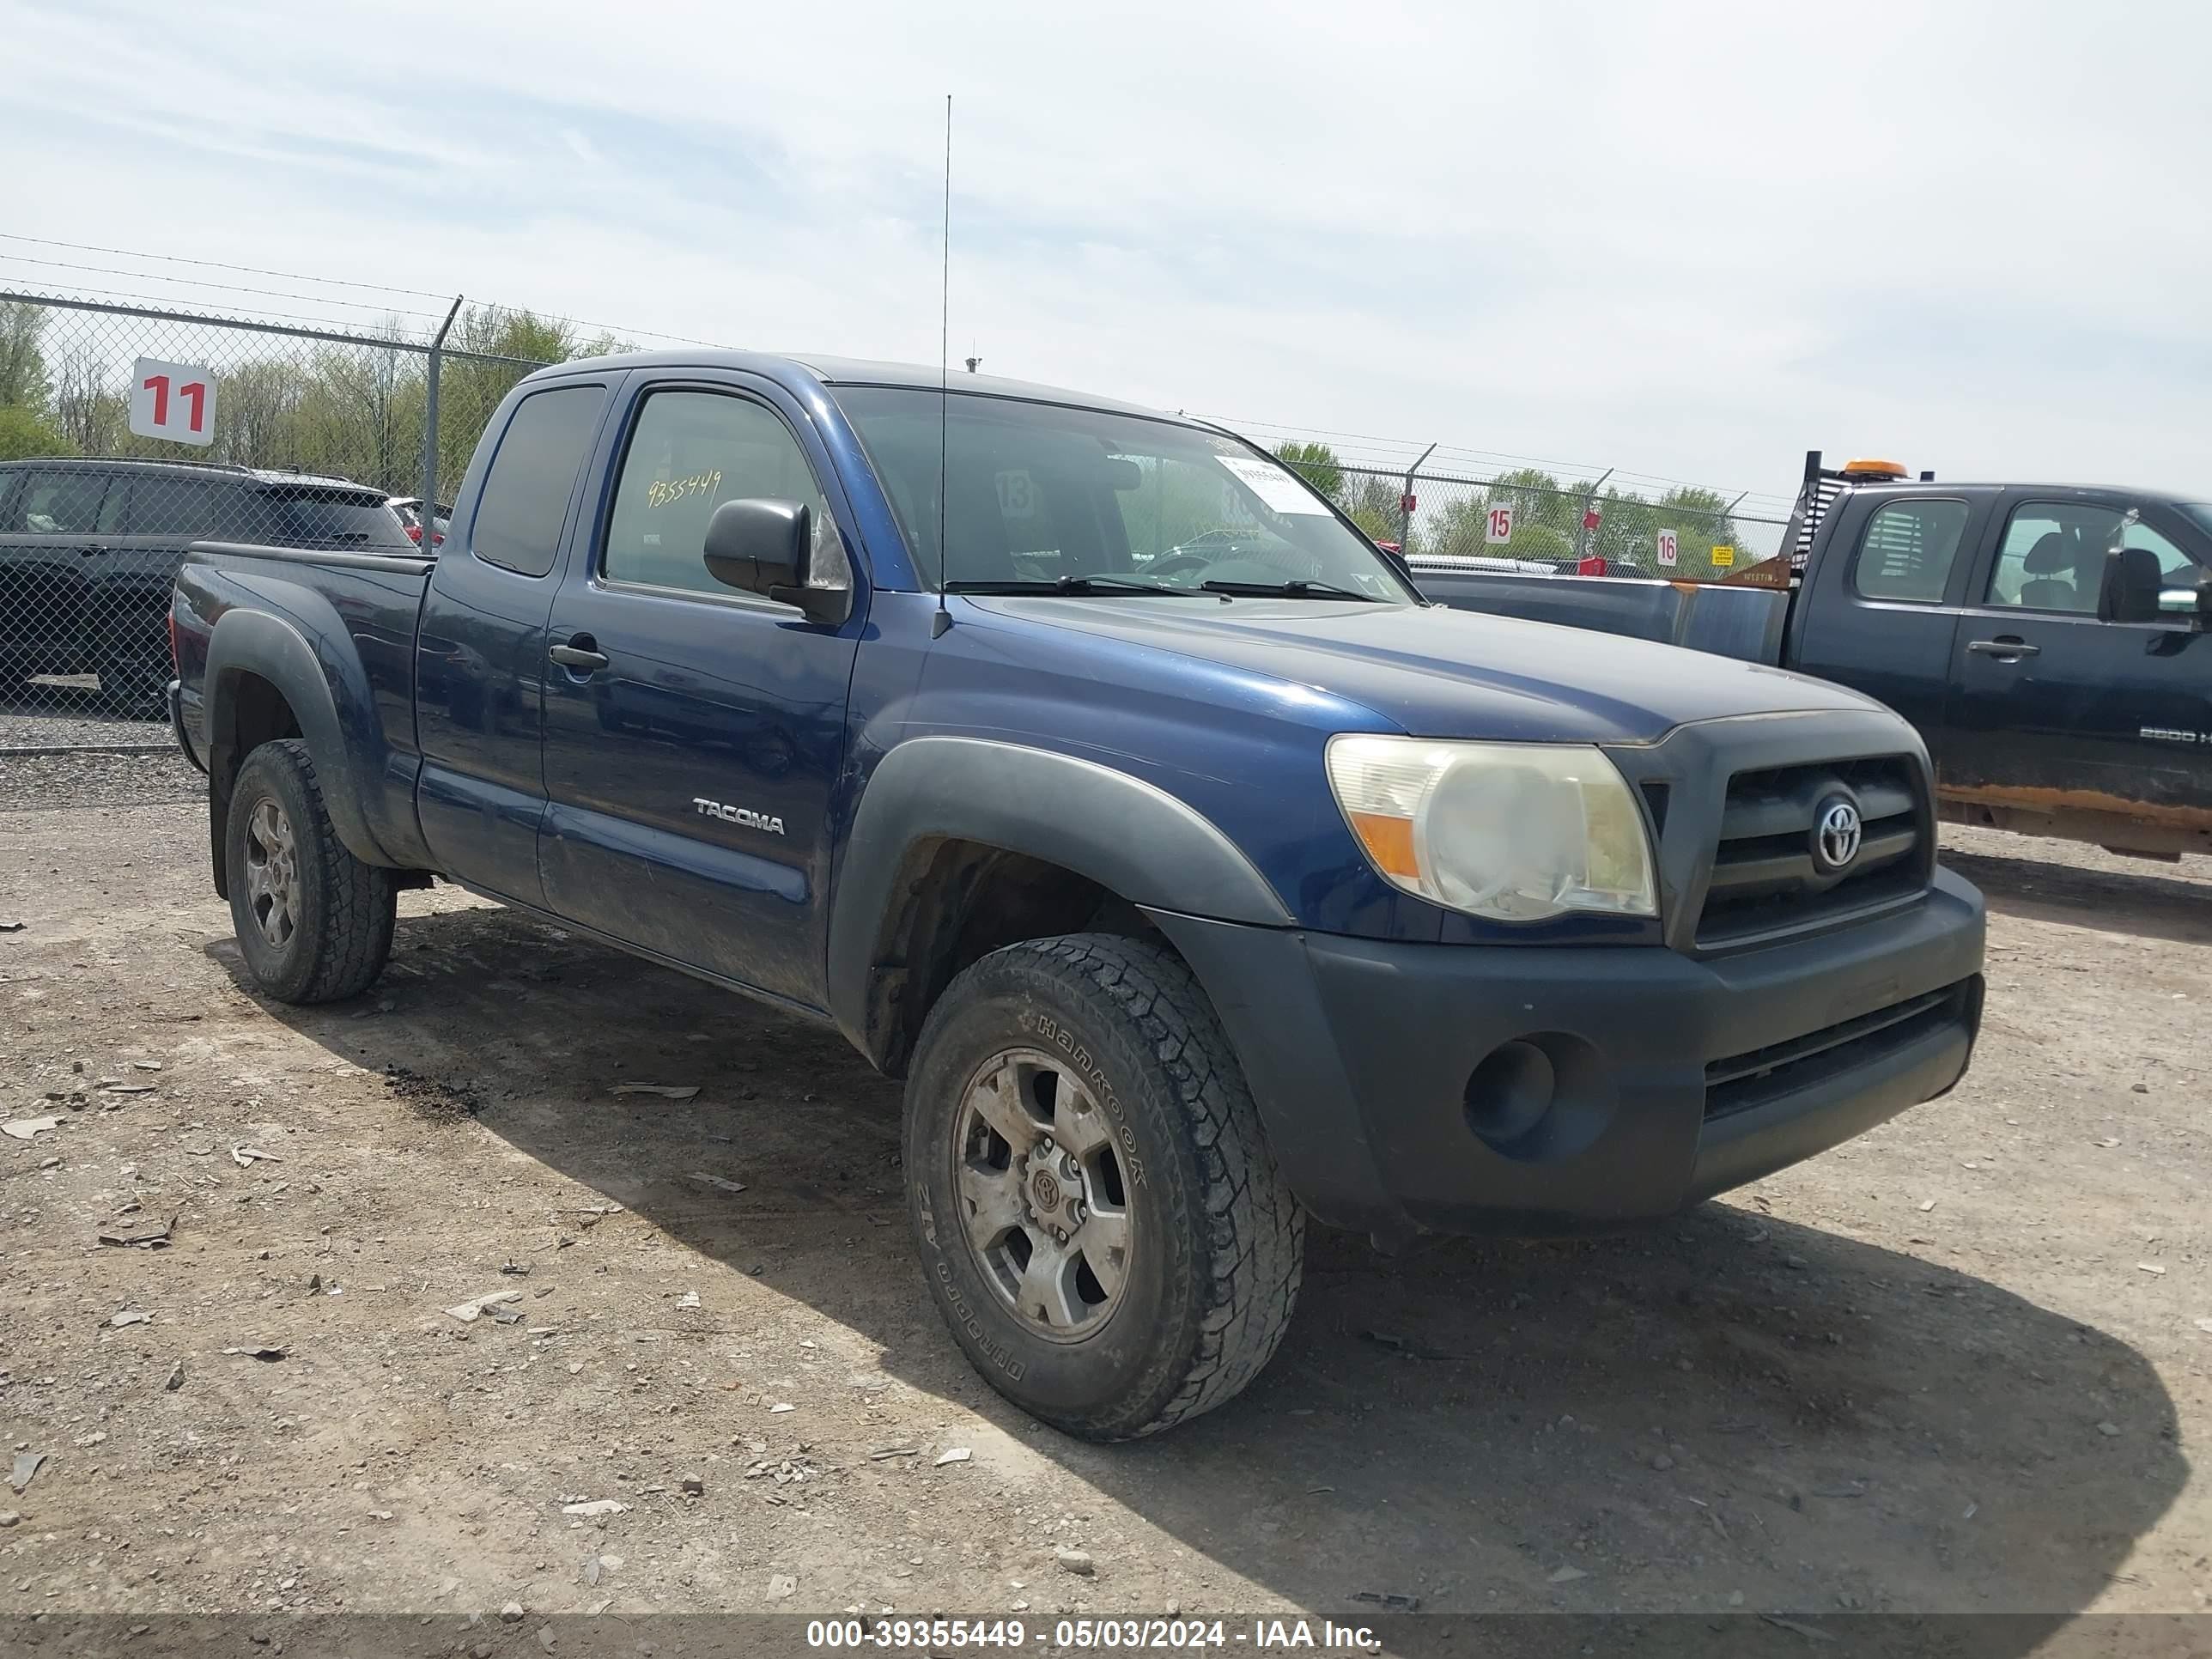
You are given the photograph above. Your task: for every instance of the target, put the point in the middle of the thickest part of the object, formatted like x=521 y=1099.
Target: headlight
x=1516 y=832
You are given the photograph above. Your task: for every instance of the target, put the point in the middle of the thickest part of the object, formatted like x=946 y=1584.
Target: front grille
x=1764 y=882
x=1743 y=1082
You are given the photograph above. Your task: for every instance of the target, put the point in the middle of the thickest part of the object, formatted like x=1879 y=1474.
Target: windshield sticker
x=1274 y=486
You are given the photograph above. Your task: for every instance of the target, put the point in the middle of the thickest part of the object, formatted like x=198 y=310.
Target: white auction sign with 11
x=175 y=401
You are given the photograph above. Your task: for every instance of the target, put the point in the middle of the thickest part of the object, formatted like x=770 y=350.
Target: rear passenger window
x=692 y=451
x=526 y=494
x=182 y=509
x=331 y=518
x=62 y=502
x=1908 y=551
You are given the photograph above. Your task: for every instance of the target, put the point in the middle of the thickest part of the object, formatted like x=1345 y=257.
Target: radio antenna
x=942 y=620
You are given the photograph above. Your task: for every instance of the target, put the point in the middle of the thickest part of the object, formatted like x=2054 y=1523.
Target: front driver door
x=694 y=733
x=2054 y=707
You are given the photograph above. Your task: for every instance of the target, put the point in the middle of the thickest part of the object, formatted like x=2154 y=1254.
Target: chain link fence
x=128 y=434
x=1527 y=517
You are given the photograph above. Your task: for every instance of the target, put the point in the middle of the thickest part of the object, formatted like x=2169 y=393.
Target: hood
x=1435 y=673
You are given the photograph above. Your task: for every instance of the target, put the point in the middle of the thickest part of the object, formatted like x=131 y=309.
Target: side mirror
x=2192 y=603
x=759 y=545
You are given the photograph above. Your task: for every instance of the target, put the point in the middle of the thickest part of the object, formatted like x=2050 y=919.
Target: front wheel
x=314 y=922
x=1102 y=1222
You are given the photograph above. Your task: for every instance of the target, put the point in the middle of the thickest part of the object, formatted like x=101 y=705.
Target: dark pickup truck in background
x=88 y=549
x=2049 y=641
x=1087 y=770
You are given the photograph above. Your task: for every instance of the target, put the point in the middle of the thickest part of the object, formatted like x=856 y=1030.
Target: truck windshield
x=1044 y=494
x=2200 y=511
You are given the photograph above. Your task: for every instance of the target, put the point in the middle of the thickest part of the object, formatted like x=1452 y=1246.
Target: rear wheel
x=314 y=922
x=1102 y=1222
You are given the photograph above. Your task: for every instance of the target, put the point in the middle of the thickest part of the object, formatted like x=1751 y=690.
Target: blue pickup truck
x=1194 y=883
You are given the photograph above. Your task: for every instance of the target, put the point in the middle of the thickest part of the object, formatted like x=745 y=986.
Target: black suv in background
x=88 y=549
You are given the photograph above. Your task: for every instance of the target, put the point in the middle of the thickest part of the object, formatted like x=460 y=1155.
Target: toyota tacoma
x=1092 y=773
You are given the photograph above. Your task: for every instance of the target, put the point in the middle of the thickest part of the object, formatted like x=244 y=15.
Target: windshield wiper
x=1064 y=585
x=1296 y=588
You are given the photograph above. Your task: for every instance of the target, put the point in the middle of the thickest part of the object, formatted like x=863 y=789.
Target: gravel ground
x=46 y=783
x=1961 y=1364
x=66 y=713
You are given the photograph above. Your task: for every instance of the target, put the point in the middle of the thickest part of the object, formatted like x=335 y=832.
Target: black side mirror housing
x=758 y=544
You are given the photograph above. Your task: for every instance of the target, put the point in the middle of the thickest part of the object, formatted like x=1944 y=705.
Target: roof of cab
x=1954 y=486
x=176 y=466
x=849 y=371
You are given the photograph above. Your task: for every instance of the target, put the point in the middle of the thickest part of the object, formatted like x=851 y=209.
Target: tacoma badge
x=739 y=815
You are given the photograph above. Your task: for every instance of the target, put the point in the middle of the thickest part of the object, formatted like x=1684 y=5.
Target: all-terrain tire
x=1217 y=1241
x=341 y=911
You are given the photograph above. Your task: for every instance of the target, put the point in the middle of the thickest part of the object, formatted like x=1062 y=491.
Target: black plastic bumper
x=1622 y=1083
x=176 y=701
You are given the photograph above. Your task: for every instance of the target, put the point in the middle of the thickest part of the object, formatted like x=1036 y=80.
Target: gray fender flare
x=1130 y=837
x=255 y=642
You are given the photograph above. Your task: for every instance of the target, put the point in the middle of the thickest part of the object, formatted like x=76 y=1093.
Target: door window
x=689 y=453
x=2053 y=556
x=525 y=498
x=1908 y=550
x=57 y=503
x=2172 y=561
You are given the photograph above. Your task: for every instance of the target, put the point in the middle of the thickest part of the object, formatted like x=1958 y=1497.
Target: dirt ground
x=1961 y=1364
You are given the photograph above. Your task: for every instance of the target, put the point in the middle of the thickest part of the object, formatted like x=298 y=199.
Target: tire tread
x=360 y=901
x=1252 y=1258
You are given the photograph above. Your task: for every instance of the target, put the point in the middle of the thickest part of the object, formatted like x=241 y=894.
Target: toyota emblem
x=1836 y=836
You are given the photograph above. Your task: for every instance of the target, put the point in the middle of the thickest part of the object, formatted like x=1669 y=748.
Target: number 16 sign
x=174 y=401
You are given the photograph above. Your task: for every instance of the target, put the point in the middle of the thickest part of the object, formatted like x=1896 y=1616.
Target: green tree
x=1372 y=504
x=91 y=413
x=1460 y=528
x=27 y=434
x=1538 y=541
x=1536 y=498
x=23 y=379
x=1317 y=464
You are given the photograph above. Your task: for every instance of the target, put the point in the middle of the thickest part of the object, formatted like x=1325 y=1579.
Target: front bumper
x=1621 y=1083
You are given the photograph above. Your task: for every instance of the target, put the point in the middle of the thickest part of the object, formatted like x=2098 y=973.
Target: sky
x=1688 y=241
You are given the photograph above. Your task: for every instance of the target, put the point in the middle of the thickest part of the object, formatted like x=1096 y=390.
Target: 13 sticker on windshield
x=1016 y=494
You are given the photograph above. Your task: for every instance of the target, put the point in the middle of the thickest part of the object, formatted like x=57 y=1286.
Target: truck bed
x=298 y=603
x=1743 y=623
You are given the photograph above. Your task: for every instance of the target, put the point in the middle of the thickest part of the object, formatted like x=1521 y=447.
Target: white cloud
x=1689 y=241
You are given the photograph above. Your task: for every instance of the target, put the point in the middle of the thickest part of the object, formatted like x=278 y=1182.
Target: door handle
x=2004 y=650
x=581 y=654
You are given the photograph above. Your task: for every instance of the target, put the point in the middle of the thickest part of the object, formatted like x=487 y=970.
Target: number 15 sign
x=174 y=401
